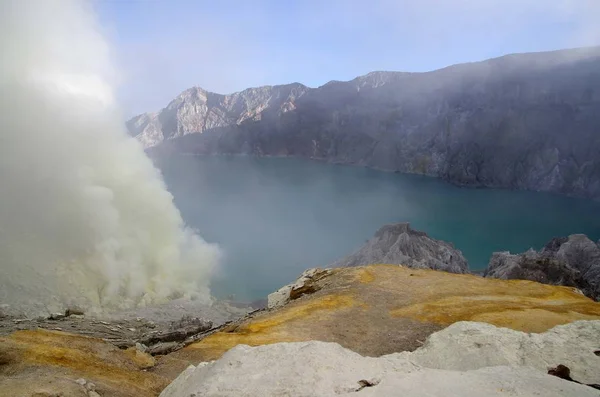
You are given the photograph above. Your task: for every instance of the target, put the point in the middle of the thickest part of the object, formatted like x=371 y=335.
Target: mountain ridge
x=582 y=50
x=521 y=121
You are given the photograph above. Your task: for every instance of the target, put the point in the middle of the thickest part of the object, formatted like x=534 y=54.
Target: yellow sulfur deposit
x=40 y=362
x=381 y=309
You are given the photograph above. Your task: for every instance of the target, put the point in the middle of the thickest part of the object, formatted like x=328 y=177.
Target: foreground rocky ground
x=73 y=354
x=465 y=359
x=373 y=311
x=382 y=309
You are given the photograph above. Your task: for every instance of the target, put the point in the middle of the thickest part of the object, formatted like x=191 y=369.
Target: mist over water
x=276 y=217
x=84 y=216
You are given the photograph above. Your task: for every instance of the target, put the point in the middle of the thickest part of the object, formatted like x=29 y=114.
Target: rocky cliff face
x=401 y=245
x=526 y=121
x=195 y=111
x=572 y=261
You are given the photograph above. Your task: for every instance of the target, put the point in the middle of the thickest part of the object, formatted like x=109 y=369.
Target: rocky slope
x=465 y=359
x=50 y=364
x=572 y=261
x=382 y=309
x=372 y=310
x=526 y=121
x=399 y=244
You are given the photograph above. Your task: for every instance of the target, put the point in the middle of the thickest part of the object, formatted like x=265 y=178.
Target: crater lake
x=276 y=217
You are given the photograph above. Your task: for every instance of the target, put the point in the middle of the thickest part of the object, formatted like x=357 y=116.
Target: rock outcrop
x=524 y=121
x=305 y=284
x=571 y=261
x=399 y=244
x=196 y=111
x=466 y=359
x=466 y=346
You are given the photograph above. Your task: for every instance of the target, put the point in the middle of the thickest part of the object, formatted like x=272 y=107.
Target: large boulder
x=327 y=369
x=401 y=245
x=570 y=261
x=466 y=346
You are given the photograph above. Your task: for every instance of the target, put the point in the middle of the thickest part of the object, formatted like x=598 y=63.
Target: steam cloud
x=85 y=218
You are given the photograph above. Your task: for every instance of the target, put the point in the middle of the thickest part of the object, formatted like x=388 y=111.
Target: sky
x=162 y=47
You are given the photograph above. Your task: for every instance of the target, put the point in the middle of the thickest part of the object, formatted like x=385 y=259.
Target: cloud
x=224 y=47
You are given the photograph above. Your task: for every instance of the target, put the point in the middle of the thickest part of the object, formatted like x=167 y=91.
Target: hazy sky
x=162 y=47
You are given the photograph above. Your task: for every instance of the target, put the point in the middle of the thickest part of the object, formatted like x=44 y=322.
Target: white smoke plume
x=85 y=218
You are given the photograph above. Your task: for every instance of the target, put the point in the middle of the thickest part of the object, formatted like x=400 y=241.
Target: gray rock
x=163 y=348
x=195 y=111
x=4 y=311
x=179 y=332
x=90 y=386
x=327 y=369
x=522 y=121
x=56 y=316
x=467 y=346
x=141 y=347
x=401 y=245
x=305 y=284
x=572 y=261
x=74 y=311
x=280 y=297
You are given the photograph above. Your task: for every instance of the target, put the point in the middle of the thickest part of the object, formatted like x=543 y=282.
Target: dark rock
x=563 y=372
x=179 y=332
x=521 y=121
x=401 y=245
x=74 y=311
x=4 y=309
x=367 y=383
x=554 y=244
x=56 y=316
x=259 y=304
x=163 y=348
x=572 y=261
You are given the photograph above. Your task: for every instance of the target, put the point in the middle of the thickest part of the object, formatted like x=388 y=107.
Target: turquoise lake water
x=276 y=217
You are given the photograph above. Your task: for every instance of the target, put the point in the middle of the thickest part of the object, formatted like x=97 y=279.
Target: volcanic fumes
x=85 y=218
